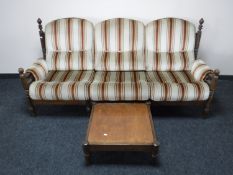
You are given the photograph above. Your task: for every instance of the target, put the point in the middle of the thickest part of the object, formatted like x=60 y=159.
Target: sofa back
x=69 y=44
x=169 y=45
x=119 y=45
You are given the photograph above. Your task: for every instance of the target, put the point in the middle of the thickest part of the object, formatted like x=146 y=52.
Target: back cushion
x=70 y=44
x=169 y=44
x=119 y=45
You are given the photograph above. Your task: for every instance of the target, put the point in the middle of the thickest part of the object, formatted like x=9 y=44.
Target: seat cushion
x=176 y=86
x=119 y=45
x=115 y=86
x=62 y=85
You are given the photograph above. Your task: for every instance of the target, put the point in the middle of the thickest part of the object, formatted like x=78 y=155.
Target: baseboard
x=15 y=75
x=226 y=77
x=9 y=76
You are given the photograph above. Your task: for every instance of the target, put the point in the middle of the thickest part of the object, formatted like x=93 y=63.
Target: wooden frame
x=26 y=78
x=198 y=37
x=153 y=149
x=42 y=37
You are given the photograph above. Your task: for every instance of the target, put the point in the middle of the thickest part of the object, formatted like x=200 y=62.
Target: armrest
x=38 y=69
x=200 y=70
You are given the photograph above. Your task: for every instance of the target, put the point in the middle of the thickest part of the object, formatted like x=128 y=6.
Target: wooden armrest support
x=26 y=78
x=211 y=79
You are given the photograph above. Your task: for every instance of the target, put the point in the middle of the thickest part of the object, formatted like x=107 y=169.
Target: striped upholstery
x=176 y=86
x=119 y=45
x=70 y=44
x=200 y=70
x=70 y=60
x=62 y=85
x=114 y=86
x=169 y=45
x=165 y=61
x=38 y=69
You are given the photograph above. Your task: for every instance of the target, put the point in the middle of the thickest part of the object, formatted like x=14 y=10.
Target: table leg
x=87 y=153
x=155 y=150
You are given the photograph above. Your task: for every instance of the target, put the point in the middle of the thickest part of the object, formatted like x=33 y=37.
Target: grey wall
x=19 y=41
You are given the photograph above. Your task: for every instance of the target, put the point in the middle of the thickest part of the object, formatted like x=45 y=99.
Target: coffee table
x=120 y=127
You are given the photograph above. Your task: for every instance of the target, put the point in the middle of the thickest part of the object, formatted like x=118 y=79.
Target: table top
x=121 y=124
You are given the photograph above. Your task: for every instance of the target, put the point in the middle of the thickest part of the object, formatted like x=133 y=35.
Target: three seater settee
x=120 y=60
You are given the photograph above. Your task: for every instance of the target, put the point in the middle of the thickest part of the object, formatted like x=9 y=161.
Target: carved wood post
x=198 y=37
x=26 y=80
x=42 y=37
x=212 y=80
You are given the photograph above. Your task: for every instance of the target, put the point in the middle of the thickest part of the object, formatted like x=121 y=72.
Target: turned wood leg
x=206 y=110
x=87 y=153
x=32 y=108
x=207 y=105
x=88 y=107
x=27 y=79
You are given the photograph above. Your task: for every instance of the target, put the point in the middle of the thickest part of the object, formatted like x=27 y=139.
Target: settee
x=119 y=60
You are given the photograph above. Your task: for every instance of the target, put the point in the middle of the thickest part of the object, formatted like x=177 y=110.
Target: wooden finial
x=42 y=37
x=198 y=37
x=216 y=72
x=21 y=71
x=201 y=21
x=39 y=21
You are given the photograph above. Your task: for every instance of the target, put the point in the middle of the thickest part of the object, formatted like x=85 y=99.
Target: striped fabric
x=70 y=60
x=70 y=44
x=115 y=86
x=200 y=70
x=169 y=45
x=119 y=45
x=165 y=61
x=38 y=69
x=62 y=85
x=176 y=86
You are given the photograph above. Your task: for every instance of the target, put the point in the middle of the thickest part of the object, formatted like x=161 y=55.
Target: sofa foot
x=206 y=110
x=88 y=108
x=32 y=110
x=87 y=154
x=207 y=105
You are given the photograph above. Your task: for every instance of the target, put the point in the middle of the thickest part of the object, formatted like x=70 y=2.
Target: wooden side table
x=120 y=127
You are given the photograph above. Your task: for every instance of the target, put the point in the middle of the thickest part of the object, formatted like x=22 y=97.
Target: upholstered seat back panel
x=119 y=61
x=119 y=45
x=169 y=61
x=173 y=36
x=82 y=60
x=70 y=44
